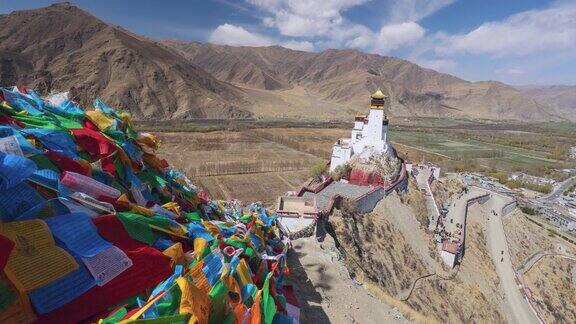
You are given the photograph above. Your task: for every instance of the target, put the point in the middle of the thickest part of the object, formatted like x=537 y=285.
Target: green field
x=481 y=149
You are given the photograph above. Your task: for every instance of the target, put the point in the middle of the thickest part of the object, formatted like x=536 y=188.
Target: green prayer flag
x=230 y=319
x=115 y=317
x=7 y=296
x=236 y=243
x=193 y=216
x=42 y=162
x=169 y=319
x=249 y=252
x=137 y=228
x=268 y=304
x=68 y=123
x=171 y=303
x=218 y=296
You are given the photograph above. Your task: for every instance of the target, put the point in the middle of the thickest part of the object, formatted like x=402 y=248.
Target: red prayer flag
x=6 y=246
x=93 y=142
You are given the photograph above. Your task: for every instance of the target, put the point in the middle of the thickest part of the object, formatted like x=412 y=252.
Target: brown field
x=243 y=165
x=316 y=141
x=257 y=162
x=264 y=187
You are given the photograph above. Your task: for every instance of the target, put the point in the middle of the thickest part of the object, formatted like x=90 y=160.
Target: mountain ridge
x=62 y=47
x=346 y=76
x=561 y=97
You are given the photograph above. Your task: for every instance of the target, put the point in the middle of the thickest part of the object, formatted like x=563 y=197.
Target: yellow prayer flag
x=35 y=261
x=173 y=207
x=194 y=301
x=199 y=245
x=199 y=277
x=137 y=209
x=100 y=119
x=243 y=273
x=176 y=253
x=212 y=229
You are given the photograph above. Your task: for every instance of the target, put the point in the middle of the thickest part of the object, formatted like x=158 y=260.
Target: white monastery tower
x=369 y=136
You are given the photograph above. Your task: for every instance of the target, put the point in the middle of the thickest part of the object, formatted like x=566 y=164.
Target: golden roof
x=378 y=95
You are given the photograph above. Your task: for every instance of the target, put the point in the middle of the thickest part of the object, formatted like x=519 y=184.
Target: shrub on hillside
x=317 y=170
x=340 y=172
x=528 y=210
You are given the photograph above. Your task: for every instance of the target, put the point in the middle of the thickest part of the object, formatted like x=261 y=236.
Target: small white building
x=450 y=253
x=369 y=135
x=560 y=220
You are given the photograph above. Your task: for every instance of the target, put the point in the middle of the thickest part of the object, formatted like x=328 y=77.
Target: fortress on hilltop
x=369 y=136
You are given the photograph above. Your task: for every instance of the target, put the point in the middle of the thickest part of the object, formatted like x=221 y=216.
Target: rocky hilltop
x=390 y=248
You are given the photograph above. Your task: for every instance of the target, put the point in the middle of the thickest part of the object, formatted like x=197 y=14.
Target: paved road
x=518 y=308
x=559 y=189
x=457 y=209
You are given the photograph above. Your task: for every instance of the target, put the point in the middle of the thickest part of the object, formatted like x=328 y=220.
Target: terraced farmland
x=238 y=164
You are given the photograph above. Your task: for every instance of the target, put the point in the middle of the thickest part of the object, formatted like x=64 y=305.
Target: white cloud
x=322 y=22
x=392 y=37
x=524 y=33
x=319 y=24
x=414 y=10
x=233 y=35
x=305 y=18
x=228 y=34
x=510 y=71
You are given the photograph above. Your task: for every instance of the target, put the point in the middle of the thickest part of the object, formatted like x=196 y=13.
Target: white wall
x=340 y=156
x=373 y=134
x=373 y=130
x=448 y=258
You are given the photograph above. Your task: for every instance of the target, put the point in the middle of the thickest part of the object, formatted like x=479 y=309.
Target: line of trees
x=240 y=167
x=296 y=144
x=480 y=154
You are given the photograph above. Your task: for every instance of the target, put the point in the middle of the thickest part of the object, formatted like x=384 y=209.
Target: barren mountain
x=561 y=97
x=345 y=77
x=64 y=48
x=61 y=47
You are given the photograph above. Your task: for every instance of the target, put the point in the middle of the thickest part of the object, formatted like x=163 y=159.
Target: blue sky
x=514 y=41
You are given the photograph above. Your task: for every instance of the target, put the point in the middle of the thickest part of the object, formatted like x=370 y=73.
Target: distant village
x=558 y=207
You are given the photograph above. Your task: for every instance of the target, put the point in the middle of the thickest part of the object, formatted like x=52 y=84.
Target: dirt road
x=327 y=293
x=518 y=307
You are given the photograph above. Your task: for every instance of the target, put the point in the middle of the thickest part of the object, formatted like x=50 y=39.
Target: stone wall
x=509 y=207
x=366 y=203
x=305 y=232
